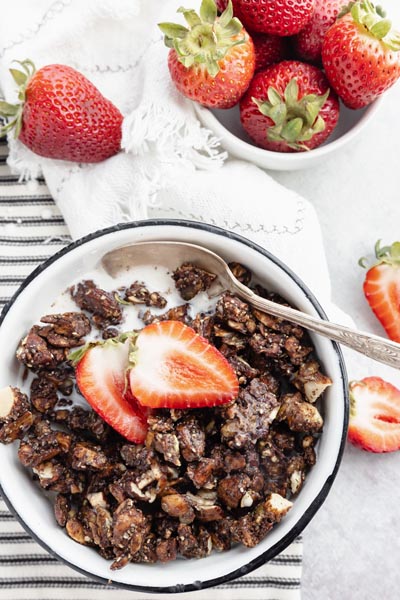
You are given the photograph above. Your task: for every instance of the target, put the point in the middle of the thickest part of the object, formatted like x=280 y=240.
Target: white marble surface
x=352 y=546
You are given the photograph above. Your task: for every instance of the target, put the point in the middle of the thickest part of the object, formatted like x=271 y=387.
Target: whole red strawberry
x=308 y=43
x=212 y=60
x=361 y=55
x=382 y=288
x=62 y=115
x=277 y=17
x=269 y=49
x=289 y=107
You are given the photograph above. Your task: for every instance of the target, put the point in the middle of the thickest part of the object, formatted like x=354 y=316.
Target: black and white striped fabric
x=31 y=230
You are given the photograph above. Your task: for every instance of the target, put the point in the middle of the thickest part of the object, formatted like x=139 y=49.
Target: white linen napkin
x=173 y=166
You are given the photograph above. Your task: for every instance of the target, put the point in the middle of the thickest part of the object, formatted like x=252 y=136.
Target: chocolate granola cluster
x=205 y=478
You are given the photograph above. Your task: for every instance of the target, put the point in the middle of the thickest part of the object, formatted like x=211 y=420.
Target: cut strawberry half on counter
x=374 y=415
x=382 y=288
x=102 y=379
x=177 y=368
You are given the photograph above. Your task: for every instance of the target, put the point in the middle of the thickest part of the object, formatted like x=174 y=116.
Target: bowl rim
x=318 y=500
x=211 y=121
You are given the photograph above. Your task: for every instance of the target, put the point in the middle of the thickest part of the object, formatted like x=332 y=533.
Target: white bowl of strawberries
x=308 y=74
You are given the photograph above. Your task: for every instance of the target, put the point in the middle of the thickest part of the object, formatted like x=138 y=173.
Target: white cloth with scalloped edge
x=172 y=166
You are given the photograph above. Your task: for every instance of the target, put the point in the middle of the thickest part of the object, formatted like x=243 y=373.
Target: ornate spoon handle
x=378 y=348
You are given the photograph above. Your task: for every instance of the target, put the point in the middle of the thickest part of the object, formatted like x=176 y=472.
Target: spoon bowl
x=171 y=253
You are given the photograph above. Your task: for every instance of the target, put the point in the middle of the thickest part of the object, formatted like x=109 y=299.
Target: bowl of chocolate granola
x=152 y=419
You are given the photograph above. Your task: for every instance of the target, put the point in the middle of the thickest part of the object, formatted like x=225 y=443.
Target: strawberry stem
x=388 y=255
x=296 y=120
x=12 y=113
x=207 y=38
x=373 y=19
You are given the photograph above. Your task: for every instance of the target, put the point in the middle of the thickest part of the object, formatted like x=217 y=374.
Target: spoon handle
x=374 y=346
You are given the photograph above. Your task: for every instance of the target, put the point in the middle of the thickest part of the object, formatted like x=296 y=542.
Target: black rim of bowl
x=318 y=500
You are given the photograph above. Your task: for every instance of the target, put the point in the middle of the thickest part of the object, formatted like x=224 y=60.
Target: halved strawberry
x=101 y=377
x=382 y=288
x=177 y=368
x=374 y=415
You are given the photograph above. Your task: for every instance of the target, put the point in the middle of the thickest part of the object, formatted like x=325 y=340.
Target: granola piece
x=86 y=456
x=192 y=544
x=62 y=377
x=272 y=345
x=274 y=463
x=138 y=293
x=16 y=429
x=242 y=273
x=277 y=324
x=308 y=451
x=177 y=313
x=232 y=342
x=296 y=473
x=101 y=304
x=129 y=528
x=300 y=416
x=165 y=527
x=49 y=472
x=244 y=372
x=232 y=488
x=297 y=352
x=66 y=330
x=167 y=550
x=43 y=445
x=88 y=421
x=162 y=437
x=35 y=352
x=205 y=504
x=235 y=314
x=190 y=280
x=43 y=394
x=192 y=438
x=203 y=325
x=76 y=531
x=109 y=332
x=15 y=416
x=248 y=419
x=221 y=536
x=98 y=522
x=202 y=474
x=271 y=382
x=13 y=404
x=234 y=461
x=62 y=507
x=310 y=381
x=144 y=485
x=147 y=553
x=177 y=505
x=253 y=527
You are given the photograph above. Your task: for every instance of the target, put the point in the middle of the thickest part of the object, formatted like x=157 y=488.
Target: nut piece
x=311 y=381
x=190 y=280
x=235 y=314
x=178 y=506
x=35 y=352
x=242 y=273
x=13 y=404
x=87 y=456
x=299 y=415
x=43 y=394
x=232 y=489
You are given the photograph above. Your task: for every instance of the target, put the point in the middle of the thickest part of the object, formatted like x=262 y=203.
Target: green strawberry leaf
x=208 y=11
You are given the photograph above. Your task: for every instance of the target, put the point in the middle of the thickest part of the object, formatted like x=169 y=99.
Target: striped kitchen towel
x=31 y=230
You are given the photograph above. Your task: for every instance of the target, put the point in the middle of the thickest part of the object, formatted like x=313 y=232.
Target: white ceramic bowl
x=226 y=126
x=33 y=509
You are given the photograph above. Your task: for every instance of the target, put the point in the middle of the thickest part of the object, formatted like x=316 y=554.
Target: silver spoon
x=173 y=254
